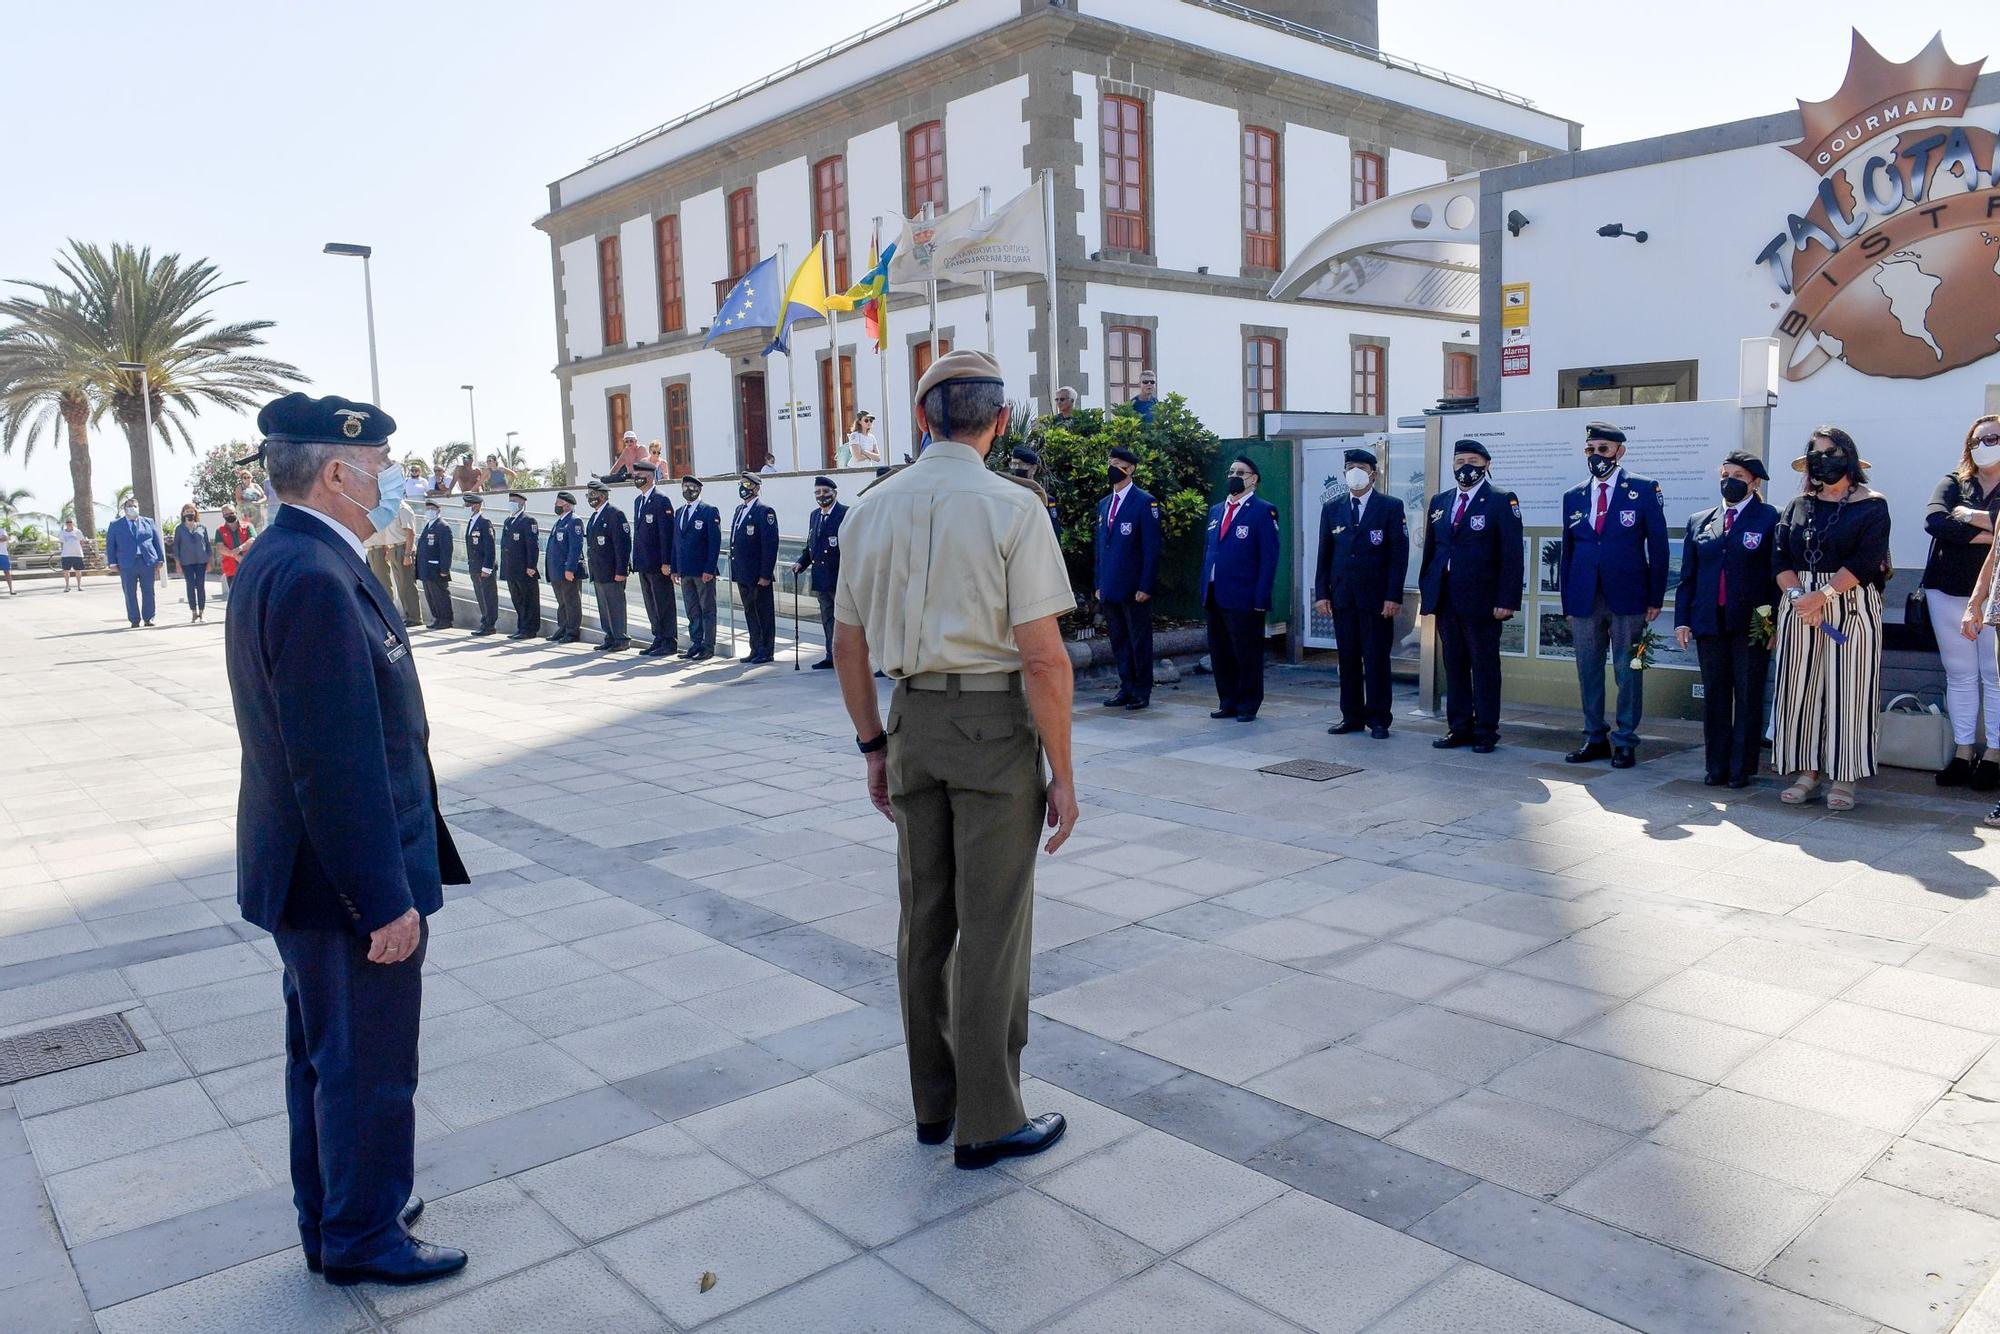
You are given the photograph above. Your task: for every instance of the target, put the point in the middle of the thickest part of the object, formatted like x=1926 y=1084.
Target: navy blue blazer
x=652 y=532
x=753 y=542
x=520 y=545
x=565 y=550
x=1740 y=568
x=481 y=551
x=337 y=821
x=1241 y=564
x=607 y=544
x=434 y=545
x=697 y=540
x=1128 y=554
x=134 y=542
x=1482 y=552
x=1362 y=560
x=822 y=553
x=1627 y=562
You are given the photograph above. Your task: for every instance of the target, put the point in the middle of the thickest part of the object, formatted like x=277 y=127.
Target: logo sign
x=1894 y=265
x=1513 y=305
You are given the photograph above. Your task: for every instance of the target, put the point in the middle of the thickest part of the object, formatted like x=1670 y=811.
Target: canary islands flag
x=871 y=294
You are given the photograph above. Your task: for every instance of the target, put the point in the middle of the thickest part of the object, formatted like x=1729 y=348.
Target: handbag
x=1918 y=632
x=1913 y=735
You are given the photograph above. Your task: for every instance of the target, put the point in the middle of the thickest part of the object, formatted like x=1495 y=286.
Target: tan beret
x=965 y=365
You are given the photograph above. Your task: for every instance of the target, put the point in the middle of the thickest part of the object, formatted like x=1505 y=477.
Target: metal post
x=368 y=296
x=882 y=350
x=985 y=211
x=795 y=621
x=930 y=214
x=1054 y=333
x=791 y=379
x=839 y=423
x=729 y=596
x=1430 y=688
x=472 y=411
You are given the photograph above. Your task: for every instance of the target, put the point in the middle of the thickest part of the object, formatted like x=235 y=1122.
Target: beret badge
x=350 y=422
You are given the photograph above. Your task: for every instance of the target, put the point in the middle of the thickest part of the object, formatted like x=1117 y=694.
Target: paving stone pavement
x=1453 y=1043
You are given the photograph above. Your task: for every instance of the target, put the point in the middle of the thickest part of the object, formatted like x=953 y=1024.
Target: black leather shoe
x=1955 y=774
x=1712 y=780
x=1451 y=741
x=1741 y=782
x=1118 y=701
x=411 y=1213
x=412 y=1261
x=477 y=633
x=934 y=1132
x=1222 y=713
x=1246 y=717
x=1483 y=747
x=1343 y=727
x=1040 y=1132
x=823 y=665
x=1985 y=776
x=685 y=653
x=1134 y=705
x=1379 y=733
x=1588 y=751
x=1624 y=757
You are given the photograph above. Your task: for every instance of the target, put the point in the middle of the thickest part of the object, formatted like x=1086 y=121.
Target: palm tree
x=447 y=456
x=513 y=457
x=10 y=501
x=47 y=378
x=126 y=306
x=120 y=496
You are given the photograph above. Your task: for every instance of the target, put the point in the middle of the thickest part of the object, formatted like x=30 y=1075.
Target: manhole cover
x=65 y=1046
x=1313 y=771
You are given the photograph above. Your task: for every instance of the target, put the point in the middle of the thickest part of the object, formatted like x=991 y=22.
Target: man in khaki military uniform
x=952 y=580
x=392 y=555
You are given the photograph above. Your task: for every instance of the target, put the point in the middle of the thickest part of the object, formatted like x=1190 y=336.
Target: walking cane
x=795 y=620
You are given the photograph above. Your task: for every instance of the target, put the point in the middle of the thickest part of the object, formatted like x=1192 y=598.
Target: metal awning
x=1417 y=251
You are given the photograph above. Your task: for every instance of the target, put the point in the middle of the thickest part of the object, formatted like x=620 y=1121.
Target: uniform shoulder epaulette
x=1030 y=483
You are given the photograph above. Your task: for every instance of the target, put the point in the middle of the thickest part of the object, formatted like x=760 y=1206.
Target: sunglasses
x=1990 y=438
x=1602 y=448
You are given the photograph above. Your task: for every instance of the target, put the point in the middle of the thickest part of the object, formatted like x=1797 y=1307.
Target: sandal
x=1993 y=817
x=1799 y=793
x=1840 y=797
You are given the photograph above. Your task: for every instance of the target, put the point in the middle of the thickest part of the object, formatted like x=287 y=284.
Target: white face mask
x=131 y=511
x=1357 y=478
x=1985 y=456
x=517 y=506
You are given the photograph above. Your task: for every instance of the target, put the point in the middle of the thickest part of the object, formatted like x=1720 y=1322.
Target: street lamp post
x=145 y=375
x=368 y=294
x=472 y=411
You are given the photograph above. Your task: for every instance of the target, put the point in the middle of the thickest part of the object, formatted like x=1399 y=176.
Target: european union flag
x=754 y=303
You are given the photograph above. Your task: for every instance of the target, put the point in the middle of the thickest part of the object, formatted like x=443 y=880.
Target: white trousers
x=1971 y=672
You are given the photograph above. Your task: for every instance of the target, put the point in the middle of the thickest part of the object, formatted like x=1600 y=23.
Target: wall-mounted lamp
x=1615 y=229
x=1516 y=220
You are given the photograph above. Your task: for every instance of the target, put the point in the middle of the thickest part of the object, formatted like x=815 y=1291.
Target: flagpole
x=1049 y=220
x=930 y=213
x=833 y=343
x=791 y=379
x=986 y=211
x=882 y=351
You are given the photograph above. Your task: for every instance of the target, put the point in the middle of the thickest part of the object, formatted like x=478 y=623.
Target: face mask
x=690 y=492
x=131 y=511
x=1116 y=475
x=825 y=498
x=744 y=492
x=1022 y=472
x=1734 y=489
x=1825 y=465
x=1600 y=466
x=388 y=498
x=1237 y=485
x=431 y=515
x=561 y=509
x=1985 y=456
x=229 y=518
x=517 y=506
x=1356 y=478
x=1468 y=474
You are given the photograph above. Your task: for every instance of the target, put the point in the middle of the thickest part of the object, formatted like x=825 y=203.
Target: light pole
x=368 y=294
x=472 y=411
x=139 y=369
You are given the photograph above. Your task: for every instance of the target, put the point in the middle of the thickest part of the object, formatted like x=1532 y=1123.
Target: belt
x=992 y=682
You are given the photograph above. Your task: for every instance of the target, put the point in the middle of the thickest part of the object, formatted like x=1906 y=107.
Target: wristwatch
x=880 y=742
x=1794 y=594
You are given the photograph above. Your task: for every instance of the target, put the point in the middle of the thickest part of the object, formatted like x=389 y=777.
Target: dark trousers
x=437 y=595
x=658 y=591
x=197 y=585
x=525 y=592
x=350 y=1089
x=1470 y=644
x=1131 y=627
x=611 y=609
x=1364 y=635
x=569 y=605
x=826 y=622
x=760 y=618
x=1591 y=635
x=698 y=600
x=1732 y=717
x=1236 y=653
x=137 y=581
x=486 y=592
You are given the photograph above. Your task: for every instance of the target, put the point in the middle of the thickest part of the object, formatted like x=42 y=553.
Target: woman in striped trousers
x=1832 y=562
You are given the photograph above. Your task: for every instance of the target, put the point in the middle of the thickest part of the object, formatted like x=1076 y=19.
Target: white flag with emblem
x=1011 y=239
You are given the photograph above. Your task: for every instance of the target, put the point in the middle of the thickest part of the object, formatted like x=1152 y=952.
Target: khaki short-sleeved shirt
x=939 y=563
x=397 y=533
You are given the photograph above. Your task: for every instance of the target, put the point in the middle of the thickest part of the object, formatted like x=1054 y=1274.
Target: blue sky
x=431 y=128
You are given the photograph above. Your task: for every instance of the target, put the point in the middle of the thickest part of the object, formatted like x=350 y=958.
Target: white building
x=1195 y=145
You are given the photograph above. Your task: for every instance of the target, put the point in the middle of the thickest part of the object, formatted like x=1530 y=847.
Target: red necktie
x=1458 y=513
x=1603 y=499
x=1722 y=579
x=1228 y=518
x=1111 y=516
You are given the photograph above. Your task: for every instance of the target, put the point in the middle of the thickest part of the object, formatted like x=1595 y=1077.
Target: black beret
x=1022 y=454
x=597 y=484
x=826 y=482
x=644 y=465
x=1604 y=431
x=474 y=498
x=691 y=480
x=303 y=420
x=516 y=495
x=1365 y=457
x=1750 y=463
x=1472 y=447
x=566 y=497
x=1124 y=455
x=1244 y=459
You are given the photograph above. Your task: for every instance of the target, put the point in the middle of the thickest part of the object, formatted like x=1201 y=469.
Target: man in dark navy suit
x=1364 y=555
x=753 y=564
x=341 y=852
x=1238 y=569
x=1026 y=464
x=1725 y=576
x=607 y=550
x=434 y=544
x=1128 y=564
x=822 y=557
x=520 y=553
x=653 y=558
x=1471 y=579
x=564 y=563
x=482 y=563
x=697 y=556
x=1614 y=582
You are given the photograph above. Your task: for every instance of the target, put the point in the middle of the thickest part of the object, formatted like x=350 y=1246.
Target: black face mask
x=1237 y=485
x=1734 y=489
x=1115 y=475
x=690 y=492
x=1825 y=465
x=1600 y=466
x=1468 y=474
x=825 y=502
x=744 y=492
